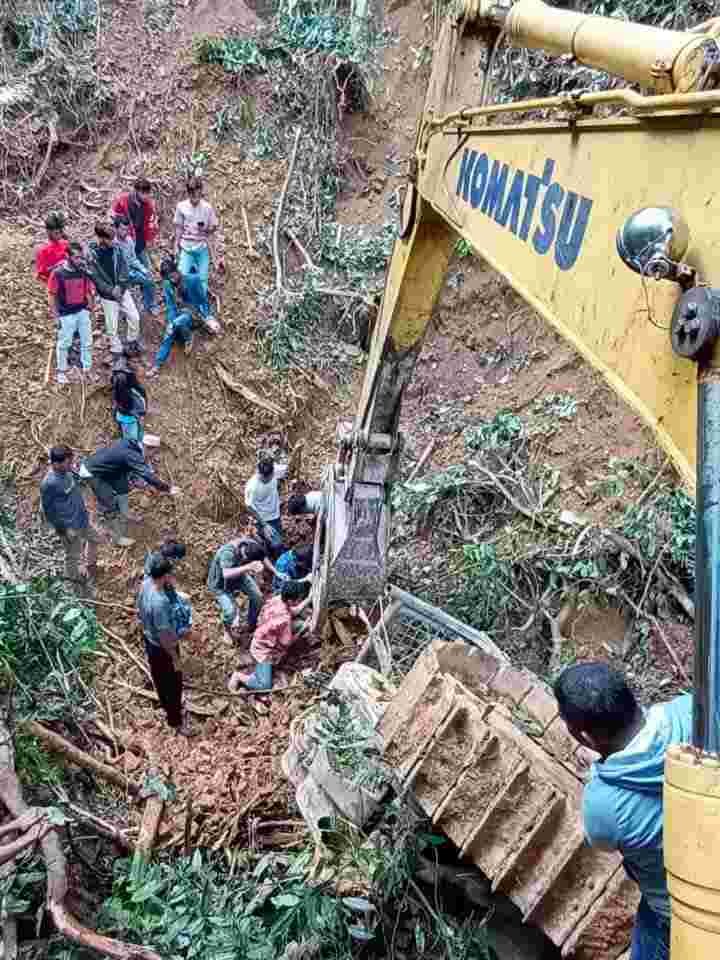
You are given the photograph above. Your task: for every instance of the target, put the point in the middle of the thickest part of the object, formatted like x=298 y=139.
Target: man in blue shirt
x=623 y=802
x=186 y=303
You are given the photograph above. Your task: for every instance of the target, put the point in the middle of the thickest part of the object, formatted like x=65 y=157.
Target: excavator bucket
x=481 y=747
x=350 y=546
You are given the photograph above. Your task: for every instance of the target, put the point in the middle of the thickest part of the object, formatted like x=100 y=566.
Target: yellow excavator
x=602 y=210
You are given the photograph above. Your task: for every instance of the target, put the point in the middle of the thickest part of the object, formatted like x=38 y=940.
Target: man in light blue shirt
x=623 y=802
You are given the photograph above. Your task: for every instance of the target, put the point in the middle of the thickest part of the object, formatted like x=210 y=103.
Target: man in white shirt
x=262 y=499
x=195 y=223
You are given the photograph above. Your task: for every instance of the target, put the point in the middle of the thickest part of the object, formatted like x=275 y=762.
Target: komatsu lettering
x=559 y=217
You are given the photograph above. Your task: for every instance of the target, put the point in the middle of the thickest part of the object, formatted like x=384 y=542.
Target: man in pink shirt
x=52 y=253
x=195 y=224
x=273 y=636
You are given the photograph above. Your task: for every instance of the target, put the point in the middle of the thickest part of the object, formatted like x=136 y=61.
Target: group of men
x=118 y=258
x=271 y=626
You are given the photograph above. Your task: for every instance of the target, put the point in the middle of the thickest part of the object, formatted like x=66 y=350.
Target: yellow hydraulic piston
x=665 y=61
x=692 y=852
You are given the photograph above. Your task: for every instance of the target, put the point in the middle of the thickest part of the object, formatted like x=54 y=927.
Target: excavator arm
x=562 y=195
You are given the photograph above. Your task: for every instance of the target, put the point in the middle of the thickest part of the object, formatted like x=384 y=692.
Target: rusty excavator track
x=482 y=749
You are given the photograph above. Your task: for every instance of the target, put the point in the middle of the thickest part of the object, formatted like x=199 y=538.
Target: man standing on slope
x=155 y=612
x=52 y=253
x=71 y=296
x=107 y=268
x=623 y=802
x=262 y=500
x=139 y=209
x=65 y=511
x=195 y=224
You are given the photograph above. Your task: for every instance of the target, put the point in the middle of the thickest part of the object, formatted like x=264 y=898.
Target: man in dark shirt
x=64 y=510
x=154 y=606
x=70 y=298
x=108 y=471
x=231 y=572
x=108 y=270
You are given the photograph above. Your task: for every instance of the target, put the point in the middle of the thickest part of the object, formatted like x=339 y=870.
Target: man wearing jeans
x=623 y=801
x=262 y=500
x=279 y=626
x=195 y=223
x=70 y=299
x=139 y=272
x=65 y=511
x=137 y=206
x=230 y=573
x=108 y=471
x=109 y=272
x=155 y=612
x=186 y=303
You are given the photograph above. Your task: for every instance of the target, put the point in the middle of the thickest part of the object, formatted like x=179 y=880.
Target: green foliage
x=192 y=908
x=351 y=744
x=464 y=249
x=353 y=253
x=562 y=406
x=32 y=34
x=500 y=433
x=33 y=765
x=667 y=523
x=44 y=633
x=239 y=55
x=483 y=595
x=621 y=472
x=418 y=499
x=231 y=118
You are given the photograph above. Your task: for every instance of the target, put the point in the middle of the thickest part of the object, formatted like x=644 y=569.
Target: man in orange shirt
x=273 y=636
x=52 y=253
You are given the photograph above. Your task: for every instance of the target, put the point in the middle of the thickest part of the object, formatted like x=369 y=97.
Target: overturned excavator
x=601 y=209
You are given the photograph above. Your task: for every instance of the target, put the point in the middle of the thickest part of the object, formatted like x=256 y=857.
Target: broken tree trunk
x=76 y=755
x=152 y=816
x=57 y=886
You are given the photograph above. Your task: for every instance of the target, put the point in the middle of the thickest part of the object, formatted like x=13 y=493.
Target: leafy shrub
x=32 y=34
x=33 y=765
x=497 y=434
x=667 y=522
x=562 y=406
x=240 y=55
x=418 y=499
x=192 y=908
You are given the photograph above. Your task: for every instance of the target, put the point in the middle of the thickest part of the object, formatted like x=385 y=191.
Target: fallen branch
x=302 y=251
x=57 y=886
x=245 y=392
x=76 y=755
x=152 y=815
x=101 y=826
x=251 y=248
x=52 y=141
x=425 y=456
x=279 y=213
x=135 y=659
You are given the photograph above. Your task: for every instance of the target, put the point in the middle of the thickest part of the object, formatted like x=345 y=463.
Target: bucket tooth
x=509 y=819
x=454 y=748
x=573 y=891
x=476 y=788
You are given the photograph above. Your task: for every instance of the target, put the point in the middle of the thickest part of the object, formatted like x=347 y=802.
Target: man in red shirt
x=52 y=253
x=139 y=209
x=273 y=636
x=71 y=297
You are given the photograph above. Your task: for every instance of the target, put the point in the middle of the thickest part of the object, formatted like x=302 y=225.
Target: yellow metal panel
x=615 y=319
